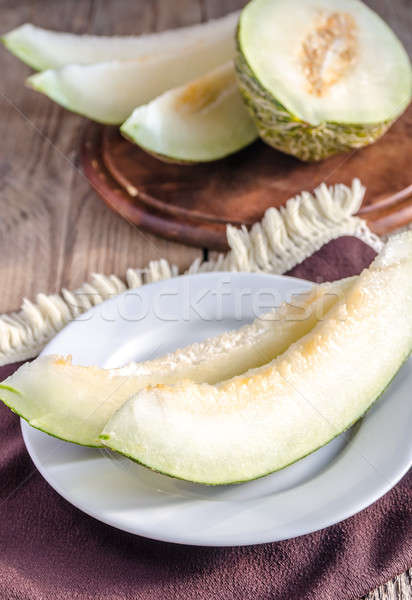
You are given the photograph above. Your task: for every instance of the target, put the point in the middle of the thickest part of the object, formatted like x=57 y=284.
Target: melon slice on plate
x=44 y=49
x=109 y=91
x=201 y=121
x=268 y=418
x=74 y=403
x=320 y=76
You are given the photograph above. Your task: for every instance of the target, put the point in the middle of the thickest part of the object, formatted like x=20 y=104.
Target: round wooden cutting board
x=193 y=204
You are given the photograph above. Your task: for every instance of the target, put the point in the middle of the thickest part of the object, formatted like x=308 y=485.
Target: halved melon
x=44 y=49
x=268 y=418
x=74 y=403
x=320 y=76
x=203 y=120
x=108 y=92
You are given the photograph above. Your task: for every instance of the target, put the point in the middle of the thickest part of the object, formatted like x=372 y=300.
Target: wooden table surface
x=54 y=230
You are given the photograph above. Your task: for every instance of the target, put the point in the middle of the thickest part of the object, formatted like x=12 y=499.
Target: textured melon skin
x=287 y=133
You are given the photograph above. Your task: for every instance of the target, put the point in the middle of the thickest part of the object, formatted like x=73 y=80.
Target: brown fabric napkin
x=49 y=550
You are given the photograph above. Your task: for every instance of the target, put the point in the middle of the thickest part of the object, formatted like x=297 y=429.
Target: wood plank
x=36 y=139
x=399 y=588
x=212 y=9
x=194 y=204
x=54 y=231
x=98 y=240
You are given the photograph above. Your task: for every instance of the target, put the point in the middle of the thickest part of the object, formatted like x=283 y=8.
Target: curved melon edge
x=23 y=42
x=20 y=51
x=27 y=420
x=288 y=133
x=106 y=438
x=45 y=83
x=135 y=128
x=163 y=157
x=167 y=158
x=316 y=297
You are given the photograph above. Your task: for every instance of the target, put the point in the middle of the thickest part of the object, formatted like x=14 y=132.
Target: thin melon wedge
x=201 y=121
x=74 y=403
x=44 y=49
x=108 y=92
x=268 y=418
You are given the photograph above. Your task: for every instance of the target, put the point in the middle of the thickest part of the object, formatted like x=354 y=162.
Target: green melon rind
x=13 y=409
x=180 y=161
x=219 y=129
x=106 y=440
x=46 y=83
x=163 y=157
x=9 y=389
x=282 y=130
x=108 y=443
x=162 y=428
x=19 y=401
x=22 y=52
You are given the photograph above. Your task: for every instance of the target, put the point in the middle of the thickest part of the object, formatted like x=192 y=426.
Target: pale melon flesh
x=201 y=121
x=74 y=402
x=320 y=76
x=108 y=91
x=269 y=417
x=45 y=49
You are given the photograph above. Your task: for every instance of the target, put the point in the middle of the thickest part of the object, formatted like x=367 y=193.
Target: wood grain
x=195 y=203
x=399 y=588
x=53 y=230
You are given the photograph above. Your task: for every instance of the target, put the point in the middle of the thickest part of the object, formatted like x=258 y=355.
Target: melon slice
x=268 y=418
x=74 y=403
x=109 y=91
x=320 y=76
x=43 y=49
x=201 y=121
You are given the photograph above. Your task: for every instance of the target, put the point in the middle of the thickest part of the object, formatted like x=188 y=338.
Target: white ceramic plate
x=335 y=482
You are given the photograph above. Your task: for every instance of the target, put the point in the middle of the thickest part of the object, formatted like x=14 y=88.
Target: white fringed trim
x=283 y=239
